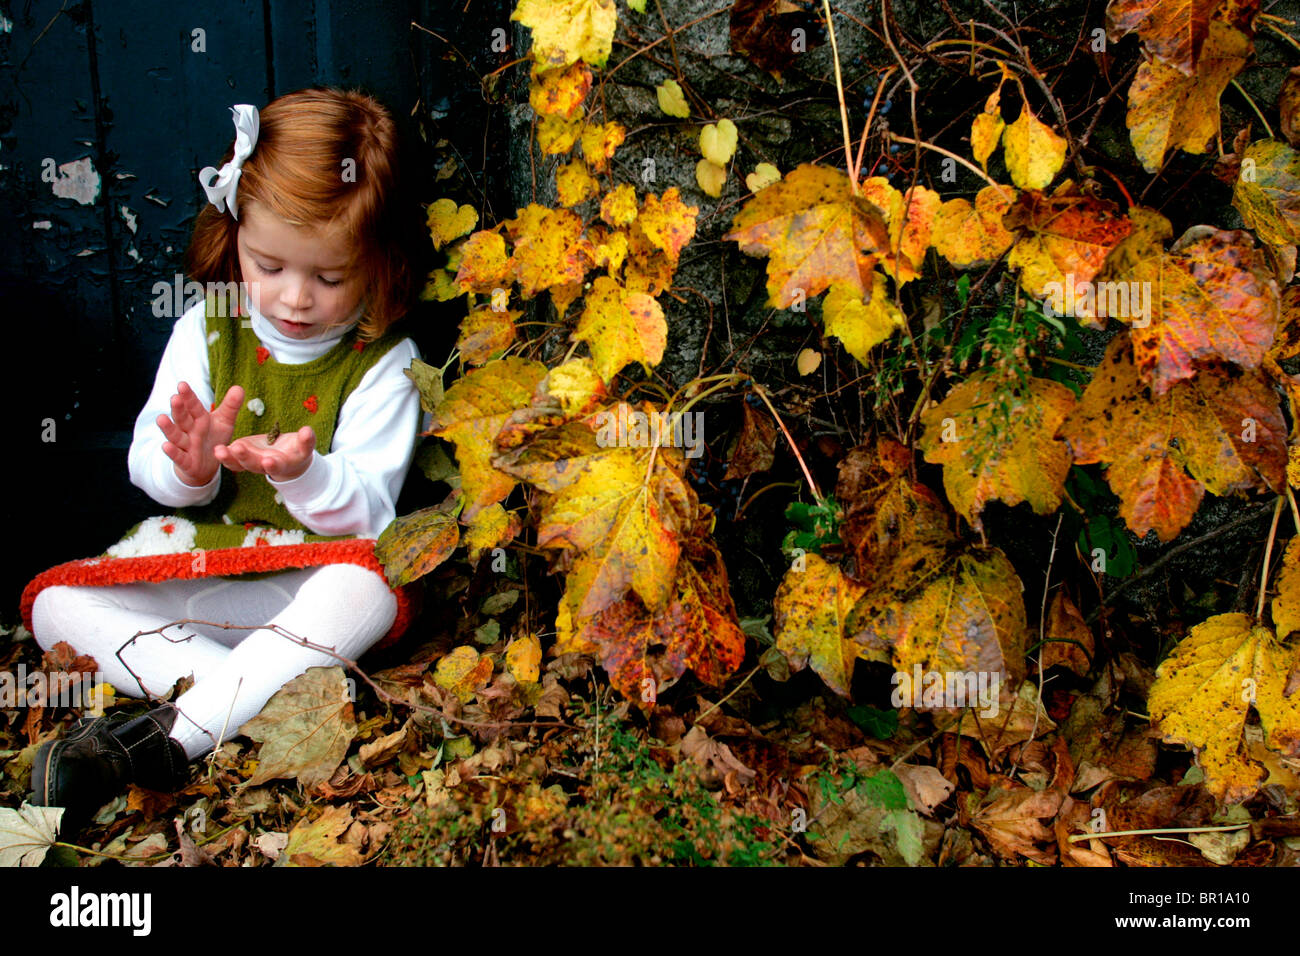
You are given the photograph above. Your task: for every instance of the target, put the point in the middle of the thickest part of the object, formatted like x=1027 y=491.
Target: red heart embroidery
x=310 y=404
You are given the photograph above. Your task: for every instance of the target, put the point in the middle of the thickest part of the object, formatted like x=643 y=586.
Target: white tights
x=341 y=606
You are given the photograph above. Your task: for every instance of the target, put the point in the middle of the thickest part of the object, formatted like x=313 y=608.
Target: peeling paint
x=87 y=252
x=134 y=254
x=78 y=180
x=130 y=217
x=42 y=224
x=6 y=25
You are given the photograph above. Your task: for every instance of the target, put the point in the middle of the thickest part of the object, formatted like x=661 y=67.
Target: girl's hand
x=193 y=432
x=287 y=458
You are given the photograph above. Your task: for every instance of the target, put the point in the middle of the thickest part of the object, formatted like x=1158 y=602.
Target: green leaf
x=880 y=724
x=884 y=789
x=429 y=381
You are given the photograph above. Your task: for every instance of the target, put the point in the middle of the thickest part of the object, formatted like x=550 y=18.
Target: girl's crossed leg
x=341 y=606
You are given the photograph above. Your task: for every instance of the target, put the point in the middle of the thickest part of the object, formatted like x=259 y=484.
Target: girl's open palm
x=193 y=432
x=287 y=458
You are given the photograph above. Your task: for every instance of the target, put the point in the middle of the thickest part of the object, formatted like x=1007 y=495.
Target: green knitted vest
x=311 y=393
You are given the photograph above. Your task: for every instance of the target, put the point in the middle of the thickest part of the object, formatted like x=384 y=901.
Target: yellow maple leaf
x=1034 y=154
x=618 y=208
x=947 y=609
x=463 y=671
x=861 y=326
x=573 y=184
x=550 y=249
x=576 y=386
x=447 y=222
x=486 y=333
x=1286 y=603
x=621 y=327
x=599 y=141
x=1205 y=688
x=565 y=31
x=559 y=92
x=996 y=441
x=667 y=222
x=619 y=521
x=490 y=528
x=470 y=415
x=484 y=265
x=523 y=657
x=973 y=235
x=814 y=231
x=811 y=611
x=1168 y=109
x=557 y=134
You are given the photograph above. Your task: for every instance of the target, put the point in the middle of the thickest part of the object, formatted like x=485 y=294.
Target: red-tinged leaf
x=814 y=231
x=413 y=545
x=1221 y=432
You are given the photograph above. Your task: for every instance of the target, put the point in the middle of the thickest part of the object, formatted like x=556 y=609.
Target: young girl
x=284 y=426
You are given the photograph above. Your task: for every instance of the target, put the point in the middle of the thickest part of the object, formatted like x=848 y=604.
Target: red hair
x=307 y=144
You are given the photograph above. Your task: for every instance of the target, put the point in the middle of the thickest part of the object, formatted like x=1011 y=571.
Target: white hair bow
x=221 y=189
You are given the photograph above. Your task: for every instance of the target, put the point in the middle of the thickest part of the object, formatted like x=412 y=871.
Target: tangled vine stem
x=347 y=662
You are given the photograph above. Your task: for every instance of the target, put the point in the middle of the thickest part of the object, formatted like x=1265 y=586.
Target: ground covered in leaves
x=645 y=657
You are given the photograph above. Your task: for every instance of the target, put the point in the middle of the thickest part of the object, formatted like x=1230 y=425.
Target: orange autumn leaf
x=1169 y=109
x=909 y=217
x=1209 y=297
x=969 y=235
x=667 y=222
x=550 y=250
x=1221 y=432
x=814 y=231
x=471 y=414
x=599 y=140
x=485 y=333
x=484 y=265
x=617 y=518
x=996 y=442
x=1065 y=237
x=884 y=509
x=559 y=92
x=621 y=327
x=696 y=629
x=1173 y=30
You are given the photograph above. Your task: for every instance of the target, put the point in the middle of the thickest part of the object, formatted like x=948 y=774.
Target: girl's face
x=302 y=279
